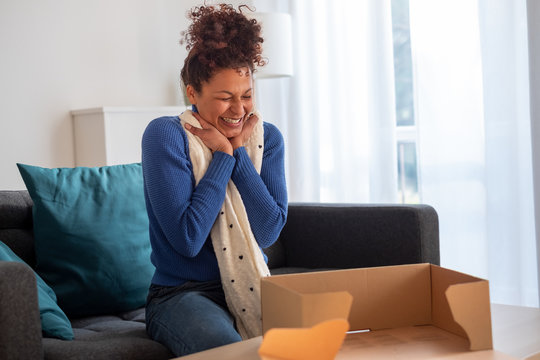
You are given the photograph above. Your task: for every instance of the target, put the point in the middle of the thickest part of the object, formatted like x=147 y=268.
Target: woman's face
x=225 y=100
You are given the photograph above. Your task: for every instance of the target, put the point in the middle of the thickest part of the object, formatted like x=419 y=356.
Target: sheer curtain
x=472 y=117
x=471 y=81
x=337 y=112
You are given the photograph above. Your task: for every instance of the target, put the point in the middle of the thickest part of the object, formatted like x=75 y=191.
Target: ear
x=190 y=92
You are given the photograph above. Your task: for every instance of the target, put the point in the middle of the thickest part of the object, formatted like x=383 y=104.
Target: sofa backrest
x=16 y=228
x=16 y=224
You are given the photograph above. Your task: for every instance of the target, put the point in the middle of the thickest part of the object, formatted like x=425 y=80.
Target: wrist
x=227 y=149
x=236 y=143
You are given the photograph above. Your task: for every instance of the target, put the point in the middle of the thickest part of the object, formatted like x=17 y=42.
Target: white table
x=516 y=332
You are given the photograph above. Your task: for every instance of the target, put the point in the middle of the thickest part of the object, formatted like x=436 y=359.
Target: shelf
x=111 y=135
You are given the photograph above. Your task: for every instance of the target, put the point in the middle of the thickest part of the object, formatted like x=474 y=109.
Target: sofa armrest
x=20 y=324
x=352 y=236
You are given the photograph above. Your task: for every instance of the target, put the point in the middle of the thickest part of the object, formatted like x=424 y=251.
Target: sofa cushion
x=118 y=336
x=91 y=236
x=54 y=322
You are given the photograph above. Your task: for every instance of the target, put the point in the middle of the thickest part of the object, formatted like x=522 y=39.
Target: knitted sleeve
x=264 y=195
x=179 y=211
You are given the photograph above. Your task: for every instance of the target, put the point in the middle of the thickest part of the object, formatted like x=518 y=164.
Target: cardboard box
x=390 y=298
x=413 y=311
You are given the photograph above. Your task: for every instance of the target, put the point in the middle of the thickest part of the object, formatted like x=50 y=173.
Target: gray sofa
x=316 y=236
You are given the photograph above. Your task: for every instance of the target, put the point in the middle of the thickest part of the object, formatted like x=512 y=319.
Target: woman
x=215 y=192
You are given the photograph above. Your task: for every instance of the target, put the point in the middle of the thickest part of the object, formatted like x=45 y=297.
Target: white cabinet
x=112 y=135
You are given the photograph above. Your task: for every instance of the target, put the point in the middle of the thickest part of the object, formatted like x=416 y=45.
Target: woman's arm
x=184 y=213
x=264 y=195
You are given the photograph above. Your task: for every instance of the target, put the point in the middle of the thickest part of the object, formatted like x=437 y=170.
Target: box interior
x=382 y=298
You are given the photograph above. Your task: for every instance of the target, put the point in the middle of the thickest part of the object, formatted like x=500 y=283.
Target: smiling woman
x=226 y=101
x=215 y=192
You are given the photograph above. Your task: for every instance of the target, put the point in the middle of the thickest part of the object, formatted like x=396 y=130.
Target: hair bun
x=219 y=37
x=215 y=27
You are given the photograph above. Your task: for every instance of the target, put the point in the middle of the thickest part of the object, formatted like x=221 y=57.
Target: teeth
x=231 y=121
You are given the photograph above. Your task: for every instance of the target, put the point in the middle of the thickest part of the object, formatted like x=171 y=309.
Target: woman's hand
x=210 y=136
x=240 y=139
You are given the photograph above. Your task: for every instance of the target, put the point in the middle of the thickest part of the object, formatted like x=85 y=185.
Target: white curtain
x=472 y=115
x=337 y=112
x=471 y=83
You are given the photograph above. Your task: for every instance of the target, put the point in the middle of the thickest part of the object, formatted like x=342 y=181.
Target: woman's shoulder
x=272 y=133
x=165 y=125
x=163 y=131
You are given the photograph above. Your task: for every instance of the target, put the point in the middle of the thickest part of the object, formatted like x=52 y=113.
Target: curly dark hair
x=219 y=37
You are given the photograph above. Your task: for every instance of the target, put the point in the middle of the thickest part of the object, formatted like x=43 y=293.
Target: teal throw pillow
x=91 y=236
x=54 y=323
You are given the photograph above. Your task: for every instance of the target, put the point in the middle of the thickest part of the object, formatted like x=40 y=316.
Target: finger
x=198 y=117
x=192 y=129
x=204 y=124
x=251 y=121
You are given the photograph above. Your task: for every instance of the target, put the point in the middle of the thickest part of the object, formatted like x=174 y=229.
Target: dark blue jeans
x=190 y=318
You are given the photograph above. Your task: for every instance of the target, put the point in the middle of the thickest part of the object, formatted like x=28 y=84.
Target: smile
x=231 y=121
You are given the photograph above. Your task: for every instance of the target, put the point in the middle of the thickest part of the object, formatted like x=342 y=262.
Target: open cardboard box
x=390 y=298
x=417 y=311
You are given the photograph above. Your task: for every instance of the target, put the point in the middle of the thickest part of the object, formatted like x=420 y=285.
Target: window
x=405 y=116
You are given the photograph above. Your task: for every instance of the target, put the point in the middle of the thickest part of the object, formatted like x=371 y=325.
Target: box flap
x=301 y=310
x=320 y=342
x=470 y=308
x=460 y=305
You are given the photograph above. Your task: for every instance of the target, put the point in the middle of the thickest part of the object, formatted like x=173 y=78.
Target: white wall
x=62 y=55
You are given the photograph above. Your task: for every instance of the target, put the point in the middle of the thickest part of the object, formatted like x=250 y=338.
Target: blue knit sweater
x=181 y=214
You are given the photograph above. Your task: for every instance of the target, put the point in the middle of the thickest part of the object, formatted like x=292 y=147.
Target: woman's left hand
x=240 y=139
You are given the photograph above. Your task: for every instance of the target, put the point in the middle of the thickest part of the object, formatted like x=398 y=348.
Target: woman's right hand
x=210 y=136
